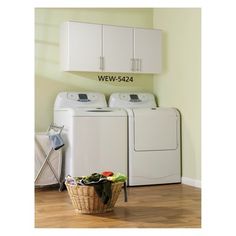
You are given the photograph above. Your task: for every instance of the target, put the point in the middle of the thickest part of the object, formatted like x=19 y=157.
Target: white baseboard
x=192 y=182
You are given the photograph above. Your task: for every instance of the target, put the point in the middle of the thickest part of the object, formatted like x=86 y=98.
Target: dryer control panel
x=132 y=100
x=80 y=99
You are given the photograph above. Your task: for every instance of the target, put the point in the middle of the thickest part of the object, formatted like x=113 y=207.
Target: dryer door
x=155 y=129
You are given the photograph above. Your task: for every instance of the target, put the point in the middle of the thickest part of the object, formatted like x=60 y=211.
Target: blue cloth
x=56 y=141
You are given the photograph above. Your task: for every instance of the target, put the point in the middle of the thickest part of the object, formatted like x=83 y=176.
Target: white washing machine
x=95 y=136
x=153 y=139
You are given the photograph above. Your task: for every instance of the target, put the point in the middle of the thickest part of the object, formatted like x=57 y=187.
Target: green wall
x=179 y=85
x=49 y=79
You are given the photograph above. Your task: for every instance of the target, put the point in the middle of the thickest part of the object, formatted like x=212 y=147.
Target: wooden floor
x=163 y=206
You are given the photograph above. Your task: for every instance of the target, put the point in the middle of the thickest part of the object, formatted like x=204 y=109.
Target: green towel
x=101 y=186
x=103 y=191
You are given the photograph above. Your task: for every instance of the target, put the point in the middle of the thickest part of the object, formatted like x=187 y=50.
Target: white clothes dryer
x=153 y=139
x=95 y=136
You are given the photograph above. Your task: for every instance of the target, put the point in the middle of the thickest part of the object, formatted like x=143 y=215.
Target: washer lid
x=155 y=129
x=105 y=112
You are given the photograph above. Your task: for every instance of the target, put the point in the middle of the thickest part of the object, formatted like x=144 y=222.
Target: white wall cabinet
x=117 y=48
x=94 y=47
x=81 y=46
x=147 y=50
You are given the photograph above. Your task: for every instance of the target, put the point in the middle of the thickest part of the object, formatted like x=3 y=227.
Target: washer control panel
x=132 y=100
x=84 y=97
x=80 y=99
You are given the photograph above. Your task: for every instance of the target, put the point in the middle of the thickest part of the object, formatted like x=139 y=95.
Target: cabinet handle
x=101 y=63
x=132 y=64
x=136 y=64
x=140 y=64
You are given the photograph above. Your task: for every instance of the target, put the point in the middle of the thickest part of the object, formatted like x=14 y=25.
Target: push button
x=72 y=96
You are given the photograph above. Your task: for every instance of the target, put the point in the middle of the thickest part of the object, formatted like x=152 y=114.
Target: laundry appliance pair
x=132 y=136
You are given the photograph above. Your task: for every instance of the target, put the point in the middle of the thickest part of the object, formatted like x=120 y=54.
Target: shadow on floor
x=150 y=215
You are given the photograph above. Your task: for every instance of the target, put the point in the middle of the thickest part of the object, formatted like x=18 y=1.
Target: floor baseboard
x=192 y=182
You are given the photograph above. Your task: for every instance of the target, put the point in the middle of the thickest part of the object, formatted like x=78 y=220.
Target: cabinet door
x=147 y=50
x=117 y=48
x=81 y=46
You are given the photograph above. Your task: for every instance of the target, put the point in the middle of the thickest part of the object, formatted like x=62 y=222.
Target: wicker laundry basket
x=85 y=199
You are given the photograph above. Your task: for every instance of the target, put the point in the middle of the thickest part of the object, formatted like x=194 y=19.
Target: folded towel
x=56 y=141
